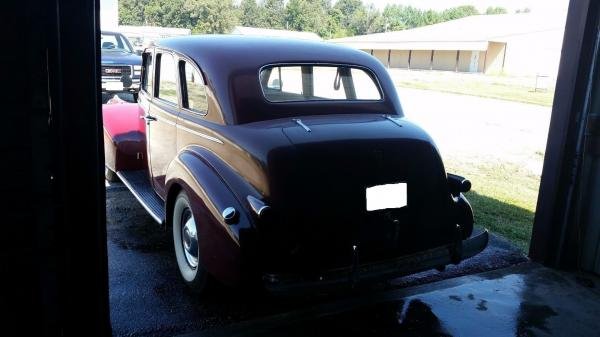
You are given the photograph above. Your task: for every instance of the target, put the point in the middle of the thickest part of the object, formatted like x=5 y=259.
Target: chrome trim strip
x=109 y=65
x=199 y=134
x=168 y=122
x=140 y=200
x=194 y=112
x=299 y=122
x=257 y=205
x=389 y=118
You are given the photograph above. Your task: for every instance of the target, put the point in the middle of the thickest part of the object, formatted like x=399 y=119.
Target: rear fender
x=124 y=137
x=219 y=242
x=463 y=215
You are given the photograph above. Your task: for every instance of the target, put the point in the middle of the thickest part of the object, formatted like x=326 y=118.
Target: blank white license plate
x=386 y=196
x=114 y=86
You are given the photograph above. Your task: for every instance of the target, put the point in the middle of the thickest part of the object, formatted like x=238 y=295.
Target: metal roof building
x=504 y=43
x=241 y=30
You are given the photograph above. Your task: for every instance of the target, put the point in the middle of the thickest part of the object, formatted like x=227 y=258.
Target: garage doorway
x=133 y=241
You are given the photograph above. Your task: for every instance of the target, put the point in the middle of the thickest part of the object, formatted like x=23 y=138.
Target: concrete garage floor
x=147 y=297
x=524 y=300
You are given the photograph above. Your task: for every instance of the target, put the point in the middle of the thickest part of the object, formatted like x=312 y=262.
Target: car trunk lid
x=320 y=190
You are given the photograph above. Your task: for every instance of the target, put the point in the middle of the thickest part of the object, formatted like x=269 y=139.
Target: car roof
x=258 y=50
x=110 y=32
x=231 y=64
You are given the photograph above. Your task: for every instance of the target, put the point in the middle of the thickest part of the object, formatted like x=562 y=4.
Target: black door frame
x=553 y=241
x=54 y=186
x=53 y=256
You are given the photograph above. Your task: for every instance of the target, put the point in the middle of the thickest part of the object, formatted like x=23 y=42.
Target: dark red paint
x=313 y=181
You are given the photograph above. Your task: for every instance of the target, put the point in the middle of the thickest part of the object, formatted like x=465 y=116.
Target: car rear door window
x=195 y=97
x=147 y=80
x=167 y=84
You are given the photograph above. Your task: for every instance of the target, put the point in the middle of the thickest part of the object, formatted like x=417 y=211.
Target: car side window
x=194 y=88
x=148 y=78
x=167 y=84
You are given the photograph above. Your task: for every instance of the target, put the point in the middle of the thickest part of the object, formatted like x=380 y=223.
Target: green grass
x=490 y=89
x=503 y=197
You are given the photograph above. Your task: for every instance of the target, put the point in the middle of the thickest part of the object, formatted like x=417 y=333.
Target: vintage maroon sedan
x=288 y=162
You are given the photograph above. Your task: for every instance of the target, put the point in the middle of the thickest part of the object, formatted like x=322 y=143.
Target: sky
x=538 y=6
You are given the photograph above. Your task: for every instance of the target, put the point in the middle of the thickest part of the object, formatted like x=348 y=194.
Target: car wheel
x=185 y=239
x=110 y=175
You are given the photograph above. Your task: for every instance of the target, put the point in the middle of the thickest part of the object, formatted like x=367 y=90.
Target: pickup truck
x=287 y=163
x=121 y=67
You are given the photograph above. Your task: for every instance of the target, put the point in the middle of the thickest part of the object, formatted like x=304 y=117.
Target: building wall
x=523 y=57
x=464 y=60
x=382 y=56
x=494 y=58
x=481 y=64
x=532 y=54
x=420 y=59
x=399 y=59
x=470 y=61
x=444 y=60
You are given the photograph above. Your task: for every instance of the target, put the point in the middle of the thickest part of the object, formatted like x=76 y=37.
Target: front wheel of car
x=185 y=239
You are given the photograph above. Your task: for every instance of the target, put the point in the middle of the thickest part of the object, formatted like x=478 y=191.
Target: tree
x=334 y=22
x=346 y=17
x=496 y=10
x=249 y=13
x=458 y=12
x=212 y=16
x=201 y=16
x=393 y=18
x=300 y=15
x=347 y=10
x=366 y=20
x=131 y=12
x=168 y=13
x=272 y=14
x=312 y=16
x=412 y=17
x=430 y=17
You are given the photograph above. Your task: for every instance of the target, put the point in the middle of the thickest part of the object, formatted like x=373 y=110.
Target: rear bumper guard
x=404 y=265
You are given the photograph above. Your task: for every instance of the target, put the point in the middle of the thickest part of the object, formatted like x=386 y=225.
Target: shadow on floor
x=147 y=297
x=523 y=300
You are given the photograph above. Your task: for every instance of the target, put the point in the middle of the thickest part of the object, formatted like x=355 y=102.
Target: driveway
x=482 y=129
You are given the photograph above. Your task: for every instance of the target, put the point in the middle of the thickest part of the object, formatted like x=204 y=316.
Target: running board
x=138 y=182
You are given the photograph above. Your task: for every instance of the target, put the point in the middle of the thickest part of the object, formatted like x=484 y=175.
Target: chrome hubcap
x=189 y=239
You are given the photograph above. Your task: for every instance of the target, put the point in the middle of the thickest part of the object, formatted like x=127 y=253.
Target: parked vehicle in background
x=287 y=162
x=121 y=66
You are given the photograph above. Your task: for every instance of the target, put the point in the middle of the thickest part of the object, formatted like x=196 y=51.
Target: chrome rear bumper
x=382 y=270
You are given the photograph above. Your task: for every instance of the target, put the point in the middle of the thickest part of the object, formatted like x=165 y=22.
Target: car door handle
x=149 y=118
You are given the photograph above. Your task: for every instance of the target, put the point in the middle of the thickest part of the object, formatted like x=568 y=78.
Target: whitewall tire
x=185 y=240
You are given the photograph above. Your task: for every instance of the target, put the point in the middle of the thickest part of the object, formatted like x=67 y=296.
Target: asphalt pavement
x=477 y=129
x=147 y=297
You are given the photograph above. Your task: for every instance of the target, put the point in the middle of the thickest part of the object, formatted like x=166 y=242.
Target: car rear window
x=296 y=83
